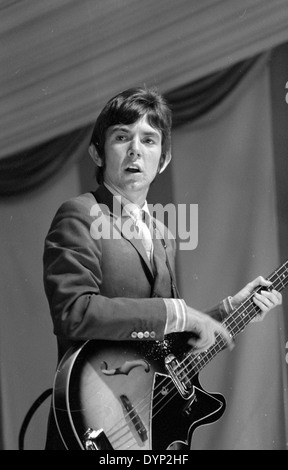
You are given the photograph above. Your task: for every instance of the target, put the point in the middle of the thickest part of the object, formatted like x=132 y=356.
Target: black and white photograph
x=144 y=227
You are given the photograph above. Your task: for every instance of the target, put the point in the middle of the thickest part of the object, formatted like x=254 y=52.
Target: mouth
x=133 y=169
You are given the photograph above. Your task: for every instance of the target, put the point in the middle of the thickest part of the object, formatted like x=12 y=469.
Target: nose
x=134 y=150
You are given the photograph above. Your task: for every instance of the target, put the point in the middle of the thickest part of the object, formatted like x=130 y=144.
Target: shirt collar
x=129 y=208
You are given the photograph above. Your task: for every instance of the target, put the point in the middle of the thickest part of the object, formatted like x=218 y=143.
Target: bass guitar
x=141 y=395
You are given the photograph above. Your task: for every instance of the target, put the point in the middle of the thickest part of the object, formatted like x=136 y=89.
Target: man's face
x=132 y=157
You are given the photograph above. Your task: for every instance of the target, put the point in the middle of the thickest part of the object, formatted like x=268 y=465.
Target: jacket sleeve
x=219 y=312
x=72 y=282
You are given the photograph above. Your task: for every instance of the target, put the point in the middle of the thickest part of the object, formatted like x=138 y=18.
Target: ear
x=95 y=156
x=164 y=162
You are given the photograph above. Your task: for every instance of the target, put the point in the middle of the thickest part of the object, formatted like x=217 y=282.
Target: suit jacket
x=99 y=283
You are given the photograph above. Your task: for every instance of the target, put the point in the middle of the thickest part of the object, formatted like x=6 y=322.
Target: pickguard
x=174 y=418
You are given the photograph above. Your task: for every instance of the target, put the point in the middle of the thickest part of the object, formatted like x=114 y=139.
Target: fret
x=282 y=276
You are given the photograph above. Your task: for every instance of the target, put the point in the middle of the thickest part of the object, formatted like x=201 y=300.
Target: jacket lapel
x=103 y=196
x=162 y=284
x=138 y=245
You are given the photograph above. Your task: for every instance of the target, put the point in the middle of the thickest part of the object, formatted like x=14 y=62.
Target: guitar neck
x=235 y=323
x=248 y=310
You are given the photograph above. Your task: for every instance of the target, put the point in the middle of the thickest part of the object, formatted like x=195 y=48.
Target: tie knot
x=141 y=215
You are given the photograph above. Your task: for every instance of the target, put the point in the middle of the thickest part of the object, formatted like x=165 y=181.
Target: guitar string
x=234 y=318
x=170 y=385
x=220 y=343
x=251 y=308
x=201 y=355
x=201 y=358
x=199 y=363
x=170 y=388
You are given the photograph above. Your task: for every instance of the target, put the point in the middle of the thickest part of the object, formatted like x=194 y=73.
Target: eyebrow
x=119 y=128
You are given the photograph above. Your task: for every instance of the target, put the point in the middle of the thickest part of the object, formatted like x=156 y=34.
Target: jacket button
x=152 y=334
x=134 y=335
x=146 y=334
x=140 y=335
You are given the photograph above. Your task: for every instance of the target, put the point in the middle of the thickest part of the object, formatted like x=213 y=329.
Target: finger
x=264 y=282
x=204 y=340
x=278 y=296
x=226 y=335
x=200 y=346
x=263 y=302
x=260 y=281
x=273 y=295
x=271 y=298
x=204 y=343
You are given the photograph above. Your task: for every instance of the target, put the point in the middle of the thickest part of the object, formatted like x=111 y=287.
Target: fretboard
x=235 y=323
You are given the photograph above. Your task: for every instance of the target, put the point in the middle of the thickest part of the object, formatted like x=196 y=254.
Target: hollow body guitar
x=141 y=395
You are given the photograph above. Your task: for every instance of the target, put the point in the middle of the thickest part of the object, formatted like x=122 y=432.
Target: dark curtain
x=192 y=101
x=28 y=170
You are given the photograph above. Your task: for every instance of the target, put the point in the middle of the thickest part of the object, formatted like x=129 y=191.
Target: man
x=108 y=281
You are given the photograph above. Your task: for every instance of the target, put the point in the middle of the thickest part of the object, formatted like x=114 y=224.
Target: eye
x=121 y=137
x=149 y=141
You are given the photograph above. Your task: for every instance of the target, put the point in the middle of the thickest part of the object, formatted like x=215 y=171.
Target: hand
x=266 y=300
x=205 y=329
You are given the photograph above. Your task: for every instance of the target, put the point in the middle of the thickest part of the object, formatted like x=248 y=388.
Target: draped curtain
x=61 y=60
x=29 y=169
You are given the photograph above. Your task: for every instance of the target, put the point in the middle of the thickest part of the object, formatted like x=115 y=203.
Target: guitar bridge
x=134 y=418
x=179 y=377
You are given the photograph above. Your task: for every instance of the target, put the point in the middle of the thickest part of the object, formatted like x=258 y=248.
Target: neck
x=135 y=197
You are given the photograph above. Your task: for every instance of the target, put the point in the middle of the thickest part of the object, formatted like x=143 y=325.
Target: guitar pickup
x=134 y=417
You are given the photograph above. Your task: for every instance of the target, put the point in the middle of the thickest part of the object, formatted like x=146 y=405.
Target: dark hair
x=128 y=107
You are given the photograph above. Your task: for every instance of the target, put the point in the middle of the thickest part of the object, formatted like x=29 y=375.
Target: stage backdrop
x=227 y=163
x=59 y=64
